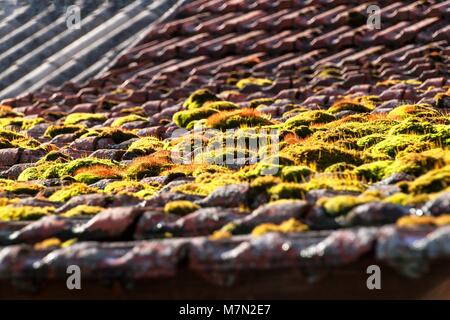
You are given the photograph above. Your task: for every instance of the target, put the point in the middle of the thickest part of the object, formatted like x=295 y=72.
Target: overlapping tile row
x=88 y=176
x=134 y=261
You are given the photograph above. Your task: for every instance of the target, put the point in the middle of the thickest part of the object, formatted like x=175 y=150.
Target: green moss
x=337 y=182
x=432 y=181
x=67 y=192
x=265 y=182
x=129 y=118
x=23 y=188
x=373 y=171
x=409 y=110
x=21 y=122
x=180 y=208
x=349 y=105
x=322 y=155
x=54 y=131
x=370 y=140
x=221 y=105
x=261 y=101
x=407 y=199
x=287 y=190
x=10 y=213
x=307 y=118
x=342 y=204
x=183 y=118
x=54 y=156
x=418 y=163
x=238 y=118
x=198 y=98
x=339 y=168
x=300 y=131
x=442 y=100
x=124 y=186
x=295 y=173
x=146 y=145
x=402 y=142
x=147 y=166
x=261 y=82
x=75 y=118
x=116 y=134
x=82 y=210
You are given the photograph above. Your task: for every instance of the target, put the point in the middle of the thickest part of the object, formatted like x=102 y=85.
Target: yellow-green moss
x=10 y=213
x=261 y=82
x=309 y=117
x=295 y=173
x=82 y=210
x=221 y=105
x=67 y=192
x=54 y=131
x=418 y=110
x=125 y=119
x=75 y=118
x=287 y=190
x=342 y=204
x=180 y=207
x=289 y=226
x=432 y=181
x=23 y=188
x=239 y=118
x=146 y=145
x=183 y=118
x=198 y=98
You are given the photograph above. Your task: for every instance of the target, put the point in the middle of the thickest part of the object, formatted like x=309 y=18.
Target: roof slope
x=363 y=137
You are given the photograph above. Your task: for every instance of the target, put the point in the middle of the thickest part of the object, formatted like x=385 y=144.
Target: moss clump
x=289 y=226
x=21 y=122
x=265 y=182
x=412 y=126
x=198 y=98
x=146 y=145
x=402 y=142
x=370 y=140
x=349 y=105
x=75 y=118
x=124 y=187
x=54 y=156
x=75 y=189
x=342 y=204
x=23 y=188
x=129 y=118
x=116 y=134
x=373 y=171
x=418 y=163
x=308 y=118
x=239 y=118
x=260 y=82
x=184 y=118
x=10 y=213
x=337 y=182
x=287 y=190
x=417 y=221
x=442 y=100
x=147 y=166
x=295 y=173
x=262 y=101
x=54 y=131
x=221 y=105
x=432 y=181
x=82 y=210
x=340 y=167
x=409 y=110
x=405 y=199
x=180 y=208
x=322 y=155
x=95 y=173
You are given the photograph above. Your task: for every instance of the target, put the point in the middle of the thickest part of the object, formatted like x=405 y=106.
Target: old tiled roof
x=365 y=164
x=38 y=48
